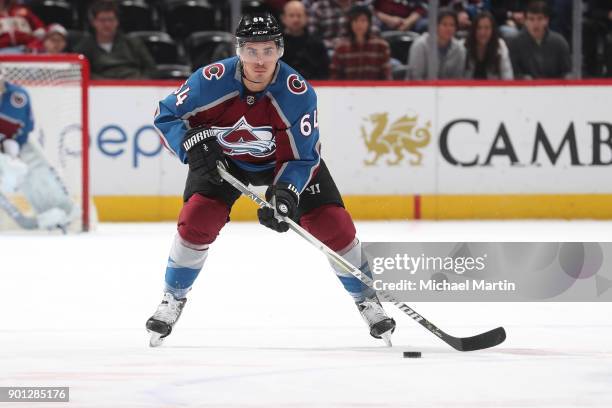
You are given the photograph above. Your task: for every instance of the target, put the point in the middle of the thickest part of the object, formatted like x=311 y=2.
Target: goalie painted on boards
x=23 y=167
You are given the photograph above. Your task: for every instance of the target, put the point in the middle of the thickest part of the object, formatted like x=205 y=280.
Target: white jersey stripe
x=210 y=105
x=164 y=140
x=280 y=172
x=294 y=150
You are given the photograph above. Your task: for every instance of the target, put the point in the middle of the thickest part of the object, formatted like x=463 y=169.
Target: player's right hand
x=203 y=153
x=284 y=199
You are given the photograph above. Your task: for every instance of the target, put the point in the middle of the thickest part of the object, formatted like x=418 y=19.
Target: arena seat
x=400 y=43
x=398 y=72
x=173 y=71
x=75 y=37
x=79 y=7
x=162 y=47
x=137 y=15
x=55 y=11
x=223 y=14
x=253 y=6
x=183 y=17
x=204 y=46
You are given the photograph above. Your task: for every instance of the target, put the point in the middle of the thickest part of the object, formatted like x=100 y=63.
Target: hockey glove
x=203 y=153
x=284 y=198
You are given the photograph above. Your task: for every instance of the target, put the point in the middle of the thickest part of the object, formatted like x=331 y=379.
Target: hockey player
x=258 y=117
x=23 y=165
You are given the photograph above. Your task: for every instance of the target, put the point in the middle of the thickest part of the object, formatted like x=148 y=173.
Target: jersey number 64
x=181 y=95
x=305 y=125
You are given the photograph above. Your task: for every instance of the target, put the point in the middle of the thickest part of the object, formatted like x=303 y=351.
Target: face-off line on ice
x=258 y=117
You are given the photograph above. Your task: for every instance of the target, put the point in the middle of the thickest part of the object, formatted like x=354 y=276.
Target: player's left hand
x=284 y=198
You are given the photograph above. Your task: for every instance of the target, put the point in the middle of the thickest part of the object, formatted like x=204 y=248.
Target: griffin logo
x=395 y=138
x=296 y=85
x=213 y=70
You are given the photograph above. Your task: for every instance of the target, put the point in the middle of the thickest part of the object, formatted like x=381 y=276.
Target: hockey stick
x=480 y=341
x=23 y=221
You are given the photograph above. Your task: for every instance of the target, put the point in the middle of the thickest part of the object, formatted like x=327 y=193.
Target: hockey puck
x=412 y=354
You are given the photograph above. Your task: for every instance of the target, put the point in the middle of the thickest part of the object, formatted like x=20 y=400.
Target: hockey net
x=58 y=90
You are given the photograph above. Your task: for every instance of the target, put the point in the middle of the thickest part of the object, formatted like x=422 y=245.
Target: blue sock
x=179 y=280
x=353 y=286
x=184 y=265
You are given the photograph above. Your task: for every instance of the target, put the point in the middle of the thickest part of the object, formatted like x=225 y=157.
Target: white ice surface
x=268 y=324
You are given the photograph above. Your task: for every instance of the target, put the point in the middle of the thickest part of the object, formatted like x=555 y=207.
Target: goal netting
x=58 y=90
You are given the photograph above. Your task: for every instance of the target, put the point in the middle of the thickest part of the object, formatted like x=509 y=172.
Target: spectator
x=538 y=52
x=510 y=16
x=111 y=54
x=474 y=7
x=487 y=54
x=328 y=20
x=361 y=56
x=466 y=11
x=55 y=40
x=20 y=29
x=401 y=15
x=451 y=53
x=303 y=52
x=598 y=35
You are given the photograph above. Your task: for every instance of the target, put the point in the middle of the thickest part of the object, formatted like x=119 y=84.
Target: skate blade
x=156 y=340
x=386 y=336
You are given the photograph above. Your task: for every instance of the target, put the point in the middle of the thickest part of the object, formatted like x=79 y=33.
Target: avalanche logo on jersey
x=242 y=138
x=213 y=70
x=296 y=85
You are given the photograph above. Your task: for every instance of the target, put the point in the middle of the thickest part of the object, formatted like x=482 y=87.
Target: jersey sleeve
x=171 y=118
x=298 y=146
x=17 y=120
x=28 y=122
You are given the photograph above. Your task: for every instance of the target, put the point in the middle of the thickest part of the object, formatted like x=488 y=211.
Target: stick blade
x=481 y=341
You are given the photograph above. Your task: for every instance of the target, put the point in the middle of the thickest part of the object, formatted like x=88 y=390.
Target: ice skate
x=381 y=325
x=165 y=317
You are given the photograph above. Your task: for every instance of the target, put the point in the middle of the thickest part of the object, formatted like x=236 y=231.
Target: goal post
x=58 y=86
